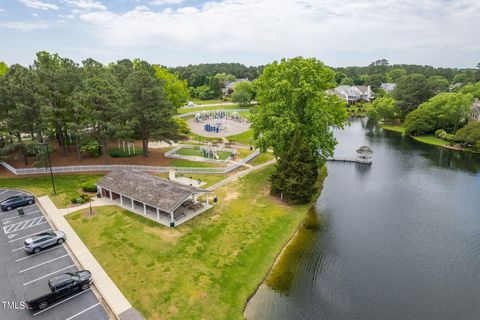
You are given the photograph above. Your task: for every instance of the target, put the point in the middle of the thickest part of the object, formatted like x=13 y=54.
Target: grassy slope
x=204 y=269
x=244 y=137
x=428 y=139
x=393 y=127
x=67 y=186
x=261 y=158
x=198 y=109
x=198 y=101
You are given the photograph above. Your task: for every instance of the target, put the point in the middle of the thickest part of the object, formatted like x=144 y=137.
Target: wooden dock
x=350 y=159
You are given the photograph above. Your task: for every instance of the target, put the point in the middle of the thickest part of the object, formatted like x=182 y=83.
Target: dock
x=351 y=159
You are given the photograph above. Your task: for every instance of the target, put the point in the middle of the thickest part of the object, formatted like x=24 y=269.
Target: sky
x=253 y=32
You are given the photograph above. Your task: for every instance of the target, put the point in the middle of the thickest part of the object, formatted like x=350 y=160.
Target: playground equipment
x=122 y=144
x=217 y=120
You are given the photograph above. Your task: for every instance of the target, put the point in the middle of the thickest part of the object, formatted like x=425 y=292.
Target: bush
x=91 y=148
x=81 y=199
x=440 y=133
x=120 y=153
x=89 y=187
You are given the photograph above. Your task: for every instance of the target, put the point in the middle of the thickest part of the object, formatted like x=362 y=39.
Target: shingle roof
x=153 y=191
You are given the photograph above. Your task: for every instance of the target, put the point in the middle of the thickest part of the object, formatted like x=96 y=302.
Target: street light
x=50 y=166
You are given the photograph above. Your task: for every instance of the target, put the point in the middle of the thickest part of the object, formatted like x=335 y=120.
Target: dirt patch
x=168 y=235
x=232 y=195
x=86 y=213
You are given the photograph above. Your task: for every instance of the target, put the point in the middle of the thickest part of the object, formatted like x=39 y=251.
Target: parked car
x=43 y=240
x=16 y=201
x=60 y=287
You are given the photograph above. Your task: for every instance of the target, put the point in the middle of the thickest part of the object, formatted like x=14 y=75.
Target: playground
x=218 y=123
x=211 y=152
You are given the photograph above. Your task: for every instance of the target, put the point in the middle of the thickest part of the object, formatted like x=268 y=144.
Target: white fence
x=153 y=169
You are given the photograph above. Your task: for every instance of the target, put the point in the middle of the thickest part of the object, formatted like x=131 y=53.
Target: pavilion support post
x=133 y=204
x=144 y=209
x=121 y=200
x=158 y=214
x=111 y=195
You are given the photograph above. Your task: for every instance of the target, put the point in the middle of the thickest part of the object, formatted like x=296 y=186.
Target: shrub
x=91 y=148
x=440 y=133
x=89 y=187
x=120 y=153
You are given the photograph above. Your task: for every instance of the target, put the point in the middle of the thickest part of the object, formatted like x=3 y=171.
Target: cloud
x=25 y=26
x=37 y=4
x=164 y=2
x=374 y=28
x=86 y=4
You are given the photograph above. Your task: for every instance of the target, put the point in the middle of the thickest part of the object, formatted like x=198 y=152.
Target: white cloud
x=86 y=4
x=377 y=28
x=37 y=4
x=25 y=26
x=164 y=2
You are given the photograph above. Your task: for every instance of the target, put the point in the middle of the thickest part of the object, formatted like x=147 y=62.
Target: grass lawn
x=198 y=101
x=431 y=139
x=261 y=158
x=194 y=164
x=393 y=127
x=204 y=269
x=67 y=186
x=244 y=137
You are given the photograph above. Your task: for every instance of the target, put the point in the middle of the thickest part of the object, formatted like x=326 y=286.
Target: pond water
x=401 y=238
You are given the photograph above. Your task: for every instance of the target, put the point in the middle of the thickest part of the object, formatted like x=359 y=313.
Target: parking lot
x=21 y=272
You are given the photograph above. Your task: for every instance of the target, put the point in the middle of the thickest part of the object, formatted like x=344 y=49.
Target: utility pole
x=50 y=166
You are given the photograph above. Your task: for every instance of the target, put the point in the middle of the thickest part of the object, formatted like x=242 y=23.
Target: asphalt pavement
x=21 y=272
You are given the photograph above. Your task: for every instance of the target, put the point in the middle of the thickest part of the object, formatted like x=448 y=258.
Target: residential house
x=475 y=114
x=353 y=94
x=230 y=86
x=388 y=86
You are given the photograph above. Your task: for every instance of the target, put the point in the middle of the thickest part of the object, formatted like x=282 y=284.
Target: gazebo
x=164 y=201
x=365 y=154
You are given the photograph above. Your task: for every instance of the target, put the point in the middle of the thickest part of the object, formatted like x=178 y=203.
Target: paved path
x=107 y=288
x=238 y=175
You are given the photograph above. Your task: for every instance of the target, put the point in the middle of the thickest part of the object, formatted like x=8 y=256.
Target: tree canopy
x=243 y=94
x=293 y=102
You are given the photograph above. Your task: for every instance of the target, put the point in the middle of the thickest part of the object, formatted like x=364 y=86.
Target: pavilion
x=164 y=201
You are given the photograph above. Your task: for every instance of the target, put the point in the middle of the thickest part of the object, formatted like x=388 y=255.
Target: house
x=230 y=86
x=475 y=114
x=388 y=86
x=163 y=201
x=353 y=94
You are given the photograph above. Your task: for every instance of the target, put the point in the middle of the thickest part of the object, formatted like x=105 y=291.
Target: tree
x=216 y=87
x=347 y=81
x=292 y=98
x=470 y=135
x=296 y=172
x=375 y=81
x=472 y=88
x=438 y=84
x=394 y=74
x=176 y=90
x=3 y=68
x=411 y=91
x=447 y=111
x=243 y=94
x=385 y=108
x=100 y=97
x=149 y=110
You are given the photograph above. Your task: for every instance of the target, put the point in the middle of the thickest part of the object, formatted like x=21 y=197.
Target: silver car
x=43 y=240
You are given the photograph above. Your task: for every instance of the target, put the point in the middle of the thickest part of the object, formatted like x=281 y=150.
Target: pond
x=401 y=238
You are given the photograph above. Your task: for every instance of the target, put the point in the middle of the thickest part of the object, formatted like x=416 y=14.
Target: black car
x=16 y=201
x=58 y=288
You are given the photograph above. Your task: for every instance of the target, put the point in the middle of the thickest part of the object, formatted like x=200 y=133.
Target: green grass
x=198 y=101
x=431 y=139
x=262 y=158
x=245 y=137
x=194 y=164
x=204 y=269
x=67 y=186
x=393 y=127
x=197 y=109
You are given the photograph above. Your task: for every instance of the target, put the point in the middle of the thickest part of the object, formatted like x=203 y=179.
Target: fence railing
x=153 y=169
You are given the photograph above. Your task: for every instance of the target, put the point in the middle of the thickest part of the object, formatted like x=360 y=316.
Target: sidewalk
x=107 y=288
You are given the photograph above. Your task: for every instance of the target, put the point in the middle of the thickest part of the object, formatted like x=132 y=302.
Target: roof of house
x=388 y=86
x=149 y=189
x=349 y=91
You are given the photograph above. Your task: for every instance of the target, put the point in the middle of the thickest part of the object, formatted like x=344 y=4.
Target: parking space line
x=22 y=225
x=13 y=195
x=33 y=234
x=4 y=192
x=56 y=304
x=85 y=310
x=37 y=254
x=47 y=275
x=26 y=214
x=41 y=264
x=17 y=249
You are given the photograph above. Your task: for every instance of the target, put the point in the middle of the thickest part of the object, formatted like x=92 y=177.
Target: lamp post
x=50 y=166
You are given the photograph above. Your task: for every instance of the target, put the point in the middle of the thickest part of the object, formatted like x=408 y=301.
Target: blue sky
x=253 y=32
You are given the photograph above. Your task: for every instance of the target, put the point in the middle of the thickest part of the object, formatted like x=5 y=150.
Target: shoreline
x=323 y=173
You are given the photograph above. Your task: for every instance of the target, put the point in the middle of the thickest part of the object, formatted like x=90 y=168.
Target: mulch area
x=155 y=158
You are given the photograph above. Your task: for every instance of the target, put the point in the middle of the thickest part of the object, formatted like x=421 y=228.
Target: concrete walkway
x=238 y=175
x=107 y=288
